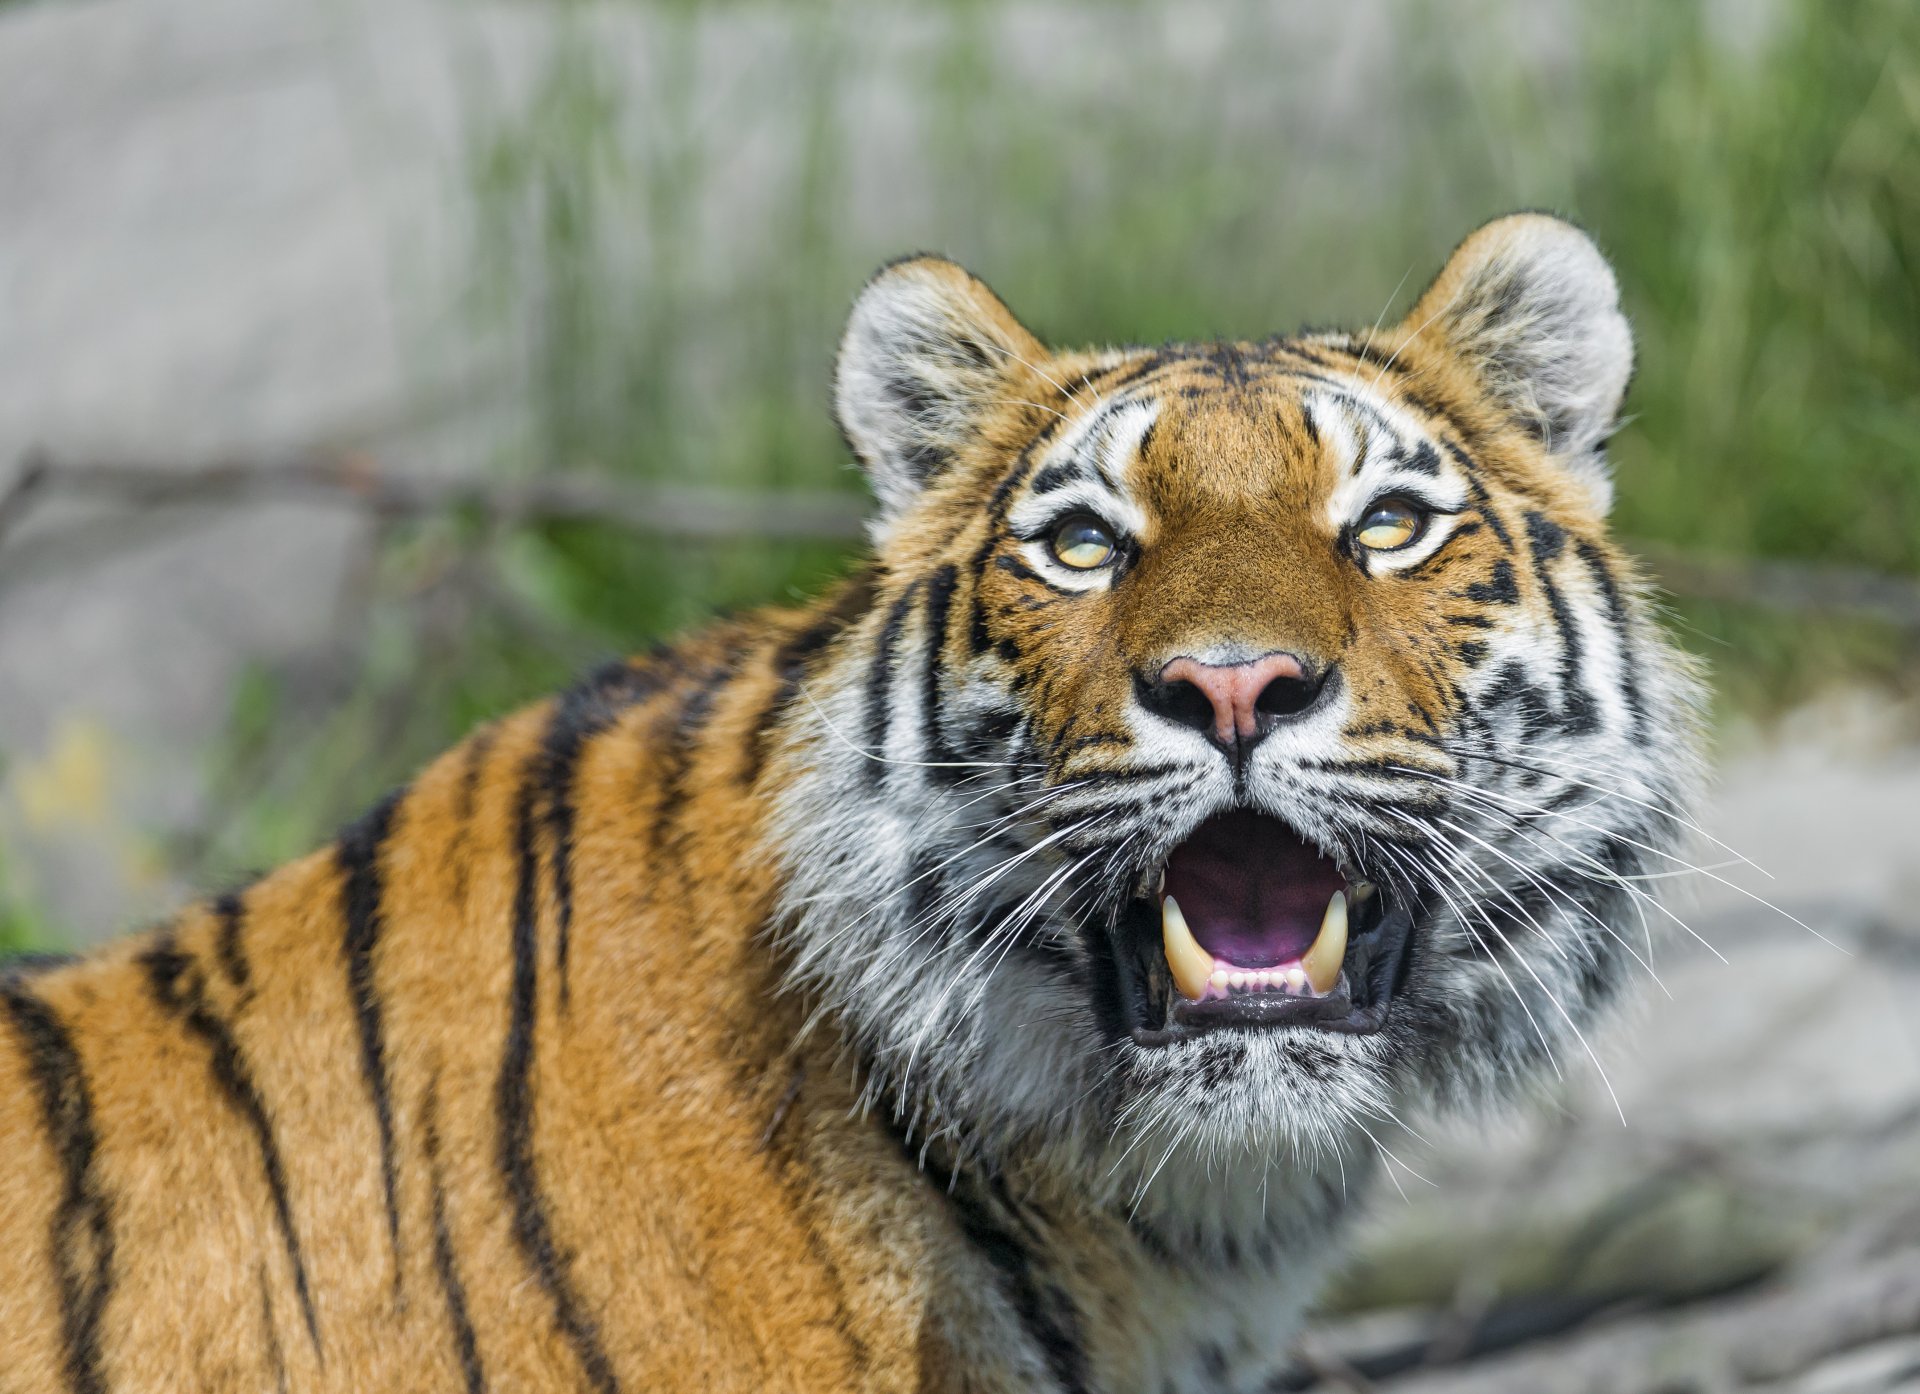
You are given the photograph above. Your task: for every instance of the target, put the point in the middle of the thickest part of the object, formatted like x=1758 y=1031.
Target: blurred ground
x=1755 y=1223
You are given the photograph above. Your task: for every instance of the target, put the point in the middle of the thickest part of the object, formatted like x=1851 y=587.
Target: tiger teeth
x=1329 y=950
x=1197 y=974
x=1192 y=965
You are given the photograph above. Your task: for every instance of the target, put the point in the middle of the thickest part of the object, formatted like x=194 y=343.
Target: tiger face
x=1248 y=743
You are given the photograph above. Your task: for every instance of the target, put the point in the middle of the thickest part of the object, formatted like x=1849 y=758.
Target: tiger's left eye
x=1083 y=543
x=1390 y=525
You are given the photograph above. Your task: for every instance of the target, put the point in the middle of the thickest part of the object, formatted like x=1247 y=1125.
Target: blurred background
x=370 y=366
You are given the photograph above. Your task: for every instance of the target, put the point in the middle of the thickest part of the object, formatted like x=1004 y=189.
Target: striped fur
x=743 y=1018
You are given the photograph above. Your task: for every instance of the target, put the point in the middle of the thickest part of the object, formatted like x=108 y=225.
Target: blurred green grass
x=1763 y=209
x=1757 y=186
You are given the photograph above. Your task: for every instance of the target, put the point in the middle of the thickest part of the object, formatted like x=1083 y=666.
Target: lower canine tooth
x=1192 y=965
x=1323 y=960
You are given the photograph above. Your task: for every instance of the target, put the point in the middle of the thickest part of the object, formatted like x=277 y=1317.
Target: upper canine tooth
x=1192 y=965
x=1323 y=960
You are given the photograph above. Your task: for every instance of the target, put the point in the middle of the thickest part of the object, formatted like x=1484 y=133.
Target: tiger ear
x=1532 y=308
x=928 y=351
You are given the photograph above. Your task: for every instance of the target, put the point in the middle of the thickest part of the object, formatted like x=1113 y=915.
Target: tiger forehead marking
x=990 y=976
x=1236 y=493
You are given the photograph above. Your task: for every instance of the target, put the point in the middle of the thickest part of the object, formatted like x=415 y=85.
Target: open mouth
x=1249 y=925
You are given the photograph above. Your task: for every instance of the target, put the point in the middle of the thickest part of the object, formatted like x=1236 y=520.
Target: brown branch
x=352 y=480
x=1329 y=1367
x=355 y=481
x=22 y=493
x=1796 y=587
x=1762 y=1339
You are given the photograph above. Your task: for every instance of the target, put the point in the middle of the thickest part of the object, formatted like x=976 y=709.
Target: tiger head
x=1245 y=743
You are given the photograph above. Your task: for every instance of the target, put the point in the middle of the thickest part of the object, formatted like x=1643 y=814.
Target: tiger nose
x=1235 y=704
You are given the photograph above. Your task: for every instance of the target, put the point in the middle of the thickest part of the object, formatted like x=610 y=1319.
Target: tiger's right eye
x=1084 y=543
x=1390 y=525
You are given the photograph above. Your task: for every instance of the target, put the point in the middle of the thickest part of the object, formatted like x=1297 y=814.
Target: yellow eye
x=1390 y=525
x=1083 y=543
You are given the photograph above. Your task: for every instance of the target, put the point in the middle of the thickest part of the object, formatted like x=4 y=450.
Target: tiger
x=1007 y=972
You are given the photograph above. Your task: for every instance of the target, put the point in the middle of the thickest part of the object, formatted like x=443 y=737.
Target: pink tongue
x=1252 y=892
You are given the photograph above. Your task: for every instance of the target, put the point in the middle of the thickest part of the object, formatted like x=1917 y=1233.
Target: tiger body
x=784 y=1009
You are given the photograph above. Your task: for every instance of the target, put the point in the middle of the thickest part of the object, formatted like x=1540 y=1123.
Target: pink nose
x=1234 y=690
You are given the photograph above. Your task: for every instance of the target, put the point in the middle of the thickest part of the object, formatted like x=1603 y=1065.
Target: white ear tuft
x=1533 y=308
x=928 y=351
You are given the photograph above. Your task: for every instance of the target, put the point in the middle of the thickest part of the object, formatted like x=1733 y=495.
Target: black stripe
x=998 y=503
x=939 y=610
x=1145 y=442
x=1546 y=540
x=179 y=987
x=581 y=713
x=979 y=640
x=1513 y=688
x=1018 y=569
x=1277 y=345
x=230 y=911
x=1367 y=352
x=358 y=857
x=479 y=746
x=1058 y=473
x=1131 y=775
x=1499 y=589
x=81 y=1235
x=695 y=710
x=1227 y=359
x=880 y=684
x=1044 y=1309
x=1378 y=425
x=271 y=1333
x=1482 y=501
x=513 y=1105
x=1307 y=422
x=792 y=660
x=1622 y=623
x=465 y=1343
x=1422 y=459
x=1439 y=410
x=1132 y=373
x=1275 y=373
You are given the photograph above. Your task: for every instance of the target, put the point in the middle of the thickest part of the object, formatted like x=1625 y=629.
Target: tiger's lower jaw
x=1282 y=938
